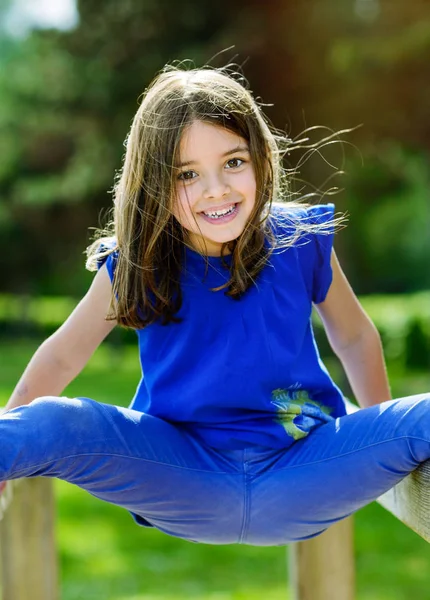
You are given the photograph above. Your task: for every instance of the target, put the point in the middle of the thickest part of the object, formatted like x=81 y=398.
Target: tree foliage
x=68 y=98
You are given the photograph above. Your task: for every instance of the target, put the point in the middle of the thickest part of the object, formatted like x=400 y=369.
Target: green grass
x=105 y=556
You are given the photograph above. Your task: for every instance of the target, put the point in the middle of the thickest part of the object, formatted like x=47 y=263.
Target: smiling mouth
x=218 y=214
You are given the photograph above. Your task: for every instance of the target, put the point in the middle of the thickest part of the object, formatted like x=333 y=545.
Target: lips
x=220 y=213
x=218 y=208
x=217 y=217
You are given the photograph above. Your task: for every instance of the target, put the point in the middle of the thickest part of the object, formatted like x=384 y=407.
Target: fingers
x=5 y=497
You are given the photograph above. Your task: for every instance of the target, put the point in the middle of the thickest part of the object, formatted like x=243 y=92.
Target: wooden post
x=28 y=554
x=409 y=500
x=323 y=567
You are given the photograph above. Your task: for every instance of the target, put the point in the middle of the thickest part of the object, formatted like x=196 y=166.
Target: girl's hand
x=5 y=497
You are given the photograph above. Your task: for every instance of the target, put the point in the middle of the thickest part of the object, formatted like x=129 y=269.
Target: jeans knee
x=55 y=419
x=52 y=401
x=37 y=437
x=415 y=406
x=412 y=416
x=52 y=408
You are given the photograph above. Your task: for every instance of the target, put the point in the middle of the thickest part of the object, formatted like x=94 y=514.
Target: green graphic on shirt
x=290 y=404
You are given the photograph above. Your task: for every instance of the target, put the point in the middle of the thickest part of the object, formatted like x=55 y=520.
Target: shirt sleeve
x=315 y=251
x=110 y=260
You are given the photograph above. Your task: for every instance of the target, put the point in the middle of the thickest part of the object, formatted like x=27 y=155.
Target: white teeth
x=220 y=213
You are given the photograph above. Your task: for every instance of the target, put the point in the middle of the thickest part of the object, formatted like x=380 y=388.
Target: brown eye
x=187 y=175
x=234 y=163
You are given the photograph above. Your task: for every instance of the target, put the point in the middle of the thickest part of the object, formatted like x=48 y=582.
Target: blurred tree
x=388 y=202
x=67 y=103
x=68 y=98
x=351 y=63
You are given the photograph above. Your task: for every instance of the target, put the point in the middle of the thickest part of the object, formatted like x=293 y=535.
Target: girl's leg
x=339 y=468
x=136 y=461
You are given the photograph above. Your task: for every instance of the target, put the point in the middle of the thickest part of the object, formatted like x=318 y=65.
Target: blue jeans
x=168 y=479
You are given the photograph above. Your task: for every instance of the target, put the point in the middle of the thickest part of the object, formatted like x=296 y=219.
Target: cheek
x=249 y=187
x=182 y=208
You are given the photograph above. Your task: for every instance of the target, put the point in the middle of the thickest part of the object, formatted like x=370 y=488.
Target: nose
x=216 y=187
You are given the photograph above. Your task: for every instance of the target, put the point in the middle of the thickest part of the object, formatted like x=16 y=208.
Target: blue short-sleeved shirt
x=245 y=372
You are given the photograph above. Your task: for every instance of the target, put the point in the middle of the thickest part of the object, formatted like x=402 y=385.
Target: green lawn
x=104 y=556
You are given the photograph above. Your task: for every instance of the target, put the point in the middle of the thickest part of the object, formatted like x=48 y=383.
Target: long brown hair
x=149 y=240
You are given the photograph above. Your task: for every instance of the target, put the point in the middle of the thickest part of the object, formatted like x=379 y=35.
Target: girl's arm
x=65 y=353
x=355 y=340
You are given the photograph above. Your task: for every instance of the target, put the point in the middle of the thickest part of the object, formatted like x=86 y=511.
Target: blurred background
x=71 y=72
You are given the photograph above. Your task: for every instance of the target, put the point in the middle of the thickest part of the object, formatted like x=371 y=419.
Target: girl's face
x=216 y=186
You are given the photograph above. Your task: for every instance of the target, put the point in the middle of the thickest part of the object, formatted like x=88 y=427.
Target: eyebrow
x=240 y=148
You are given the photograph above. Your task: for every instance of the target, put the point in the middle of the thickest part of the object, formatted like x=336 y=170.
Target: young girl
x=237 y=433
